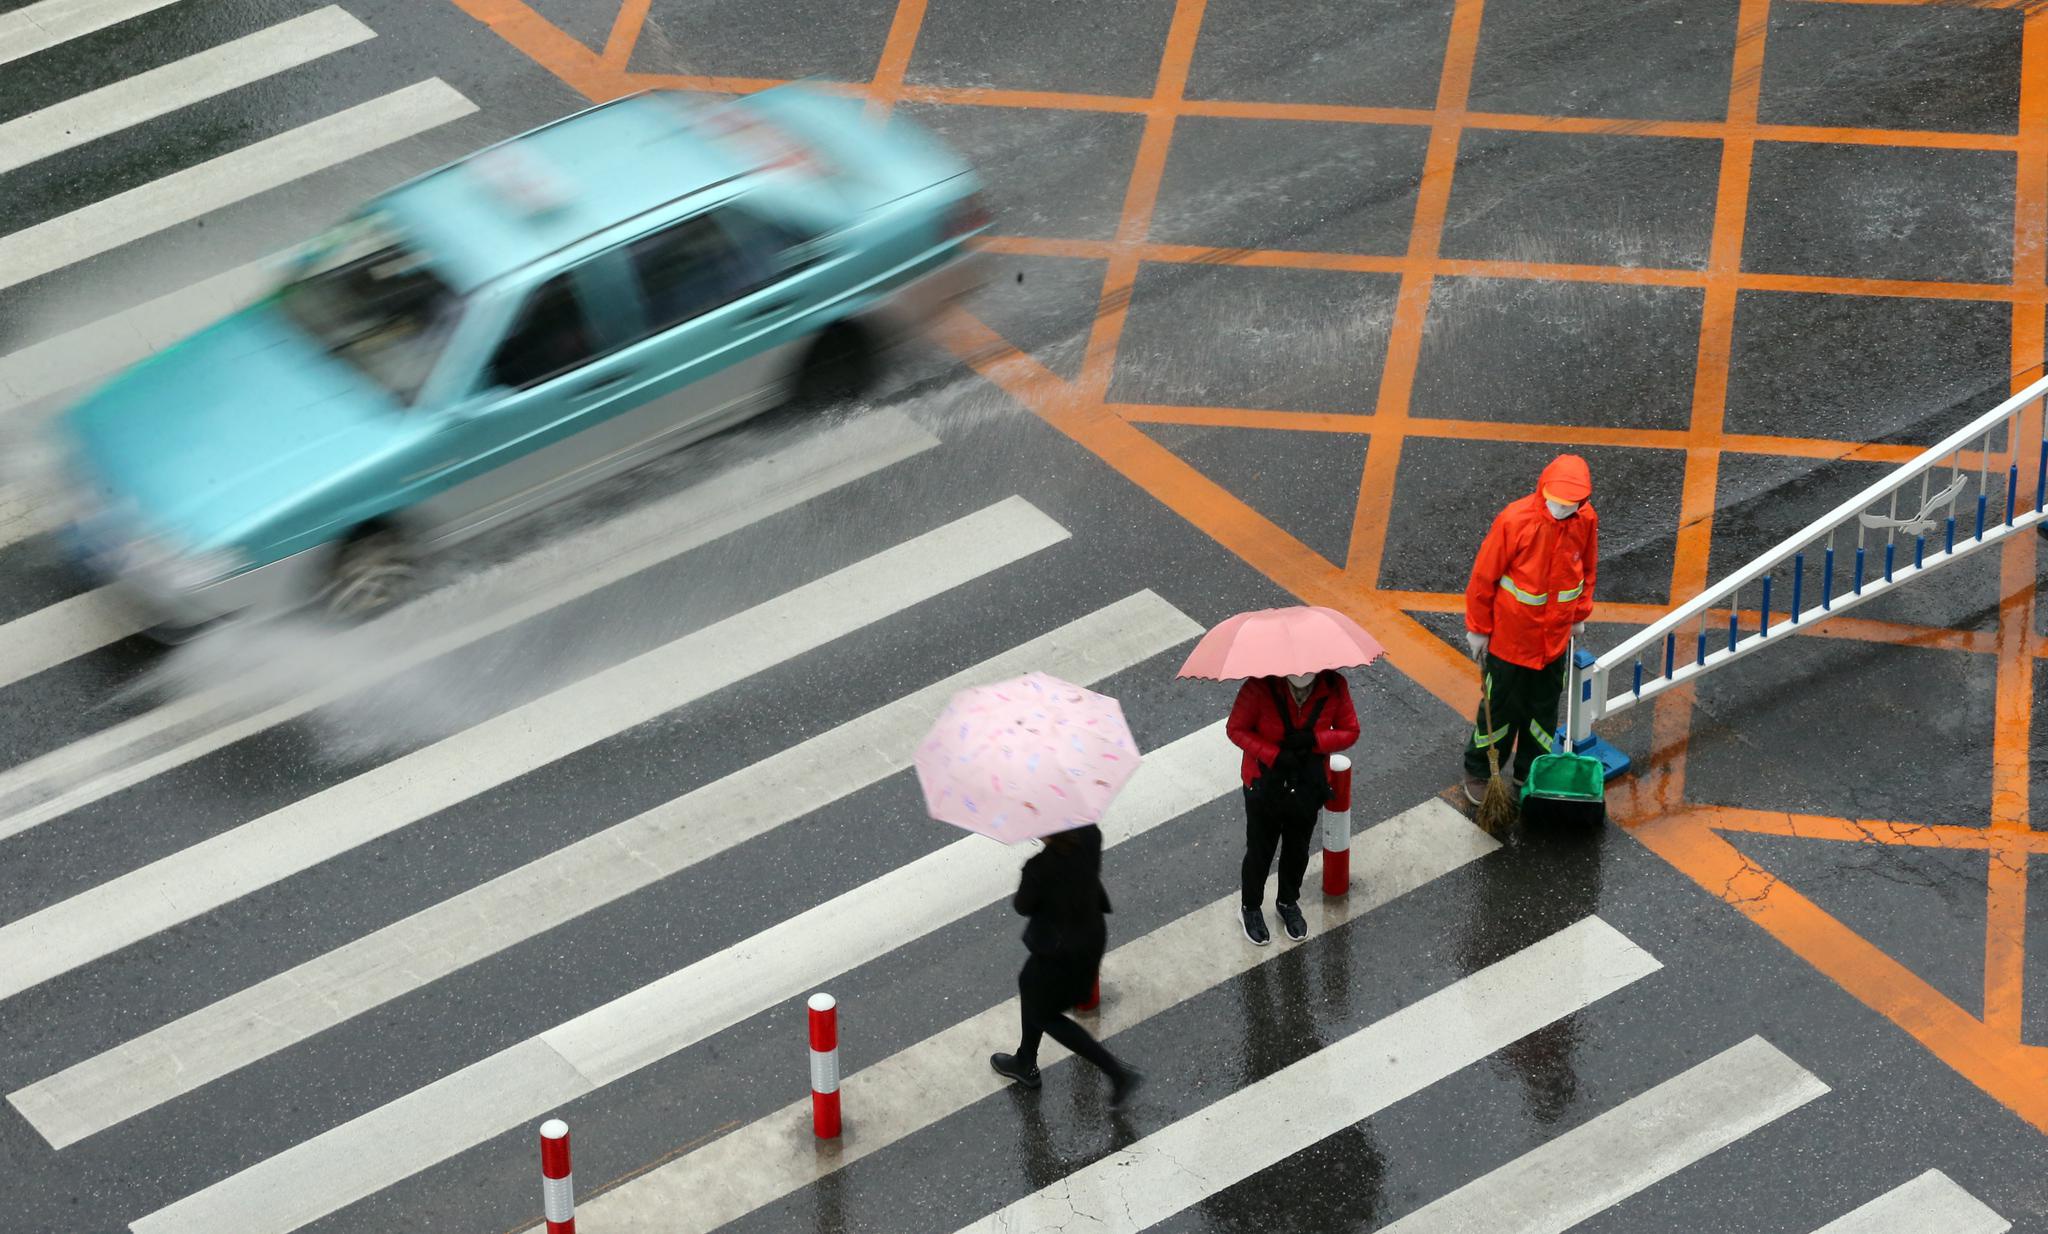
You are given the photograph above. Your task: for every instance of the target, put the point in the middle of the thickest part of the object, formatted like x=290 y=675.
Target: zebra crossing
x=231 y=971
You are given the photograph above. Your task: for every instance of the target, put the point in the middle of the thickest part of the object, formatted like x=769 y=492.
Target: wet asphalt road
x=1825 y=727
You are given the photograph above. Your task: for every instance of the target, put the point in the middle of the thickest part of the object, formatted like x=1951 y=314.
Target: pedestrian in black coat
x=1062 y=894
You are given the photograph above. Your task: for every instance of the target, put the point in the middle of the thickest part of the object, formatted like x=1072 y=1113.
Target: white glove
x=1579 y=630
x=1477 y=642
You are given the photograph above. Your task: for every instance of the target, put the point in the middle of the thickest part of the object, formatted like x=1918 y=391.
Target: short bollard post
x=825 y=1066
x=1094 y=998
x=1337 y=829
x=557 y=1190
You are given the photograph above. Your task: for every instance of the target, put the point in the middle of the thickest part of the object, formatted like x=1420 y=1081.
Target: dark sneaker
x=1123 y=1085
x=1291 y=918
x=1475 y=789
x=1006 y=1066
x=1255 y=927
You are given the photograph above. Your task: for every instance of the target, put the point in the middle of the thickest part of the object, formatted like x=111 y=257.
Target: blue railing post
x=1827 y=582
x=1859 y=570
x=1982 y=500
x=1949 y=546
x=2040 y=476
x=1699 y=655
x=1732 y=629
x=1889 y=545
x=1670 y=653
x=2012 y=491
x=1919 y=550
x=1764 y=626
x=1798 y=583
x=1639 y=677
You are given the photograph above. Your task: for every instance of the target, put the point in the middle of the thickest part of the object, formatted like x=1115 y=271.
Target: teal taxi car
x=506 y=330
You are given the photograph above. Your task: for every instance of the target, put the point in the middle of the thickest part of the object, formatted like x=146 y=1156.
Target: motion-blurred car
x=504 y=331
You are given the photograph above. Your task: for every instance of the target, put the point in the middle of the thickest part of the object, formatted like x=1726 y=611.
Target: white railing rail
x=1960 y=495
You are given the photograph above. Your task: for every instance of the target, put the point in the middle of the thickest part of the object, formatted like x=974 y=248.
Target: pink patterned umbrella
x=1025 y=758
x=1274 y=642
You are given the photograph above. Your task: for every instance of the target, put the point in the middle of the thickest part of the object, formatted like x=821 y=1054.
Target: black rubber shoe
x=1291 y=918
x=1006 y=1066
x=1123 y=1086
x=1255 y=927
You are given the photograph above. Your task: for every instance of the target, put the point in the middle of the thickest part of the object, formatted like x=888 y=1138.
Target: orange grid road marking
x=1986 y=1049
x=1374 y=507
x=896 y=51
x=1140 y=195
x=626 y=27
x=2015 y=1074
x=2005 y=917
x=1465 y=267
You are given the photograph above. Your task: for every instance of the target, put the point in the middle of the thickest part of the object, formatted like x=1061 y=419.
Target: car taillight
x=968 y=215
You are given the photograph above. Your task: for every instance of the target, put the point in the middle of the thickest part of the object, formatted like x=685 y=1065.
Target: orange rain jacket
x=1533 y=579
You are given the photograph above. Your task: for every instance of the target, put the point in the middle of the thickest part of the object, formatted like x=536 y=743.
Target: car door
x=723 y=304
x=523 y=437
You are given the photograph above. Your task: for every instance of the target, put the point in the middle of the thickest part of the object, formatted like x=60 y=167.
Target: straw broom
x=1497 y=808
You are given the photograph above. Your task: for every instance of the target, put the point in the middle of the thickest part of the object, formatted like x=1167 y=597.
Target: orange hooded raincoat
x=1533 y=579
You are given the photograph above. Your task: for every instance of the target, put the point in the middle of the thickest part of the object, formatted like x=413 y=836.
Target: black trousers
x=1046 y=988
x=1524 y=715
x=1271 y=823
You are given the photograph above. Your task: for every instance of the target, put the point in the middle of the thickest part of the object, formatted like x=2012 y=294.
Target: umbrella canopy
x=1274 y=642
x=1025 y=758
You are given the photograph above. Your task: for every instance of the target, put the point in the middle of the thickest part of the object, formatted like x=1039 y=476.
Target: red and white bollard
x=1337 y=829
x=825 y=1066
x=557 y=1191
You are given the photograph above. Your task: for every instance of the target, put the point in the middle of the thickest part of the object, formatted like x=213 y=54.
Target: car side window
x=551 y=337
x=688 y=269
x=772 y=249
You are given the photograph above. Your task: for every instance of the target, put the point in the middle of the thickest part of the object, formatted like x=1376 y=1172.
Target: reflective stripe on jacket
x=1533 y=580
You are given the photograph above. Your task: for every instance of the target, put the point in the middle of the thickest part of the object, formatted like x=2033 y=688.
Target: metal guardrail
x=1959 y=496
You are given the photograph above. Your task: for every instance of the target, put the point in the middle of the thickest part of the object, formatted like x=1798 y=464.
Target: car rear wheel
x=840 y=366
x=374 y=572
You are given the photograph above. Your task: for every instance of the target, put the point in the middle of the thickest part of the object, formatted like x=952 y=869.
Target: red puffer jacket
x=1256 y=728
x=1533 y=578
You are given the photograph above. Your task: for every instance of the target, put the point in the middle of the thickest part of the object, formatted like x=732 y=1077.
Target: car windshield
x=368 y=298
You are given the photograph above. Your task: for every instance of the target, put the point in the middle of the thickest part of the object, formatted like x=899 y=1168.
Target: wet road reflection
x=1542 y=882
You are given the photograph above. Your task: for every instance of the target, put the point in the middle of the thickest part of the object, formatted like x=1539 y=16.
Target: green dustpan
x=1563 y=788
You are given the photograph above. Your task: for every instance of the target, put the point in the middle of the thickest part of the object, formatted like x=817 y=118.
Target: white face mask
x=1301 y=681
x=1560 y=509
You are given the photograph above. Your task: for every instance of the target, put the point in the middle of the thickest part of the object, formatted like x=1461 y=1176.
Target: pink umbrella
x=1274 y=642
x=1022 y=759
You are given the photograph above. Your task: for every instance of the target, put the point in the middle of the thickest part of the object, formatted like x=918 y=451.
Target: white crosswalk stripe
x=1930 y=1203
x=50 y=23
x=1646 y=1138
x=240 y=174
x=574 y=880
x=486 y=603
x=916 y=1088
x=177 y=888
x=165 y=1054
x=579 y=1056
x=160 y=91
x=1292 y=1109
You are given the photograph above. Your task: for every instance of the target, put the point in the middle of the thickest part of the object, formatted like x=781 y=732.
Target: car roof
x=515 y=203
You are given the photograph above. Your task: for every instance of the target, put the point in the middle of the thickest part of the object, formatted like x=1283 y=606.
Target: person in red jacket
x=1530 y=593
x=1287 y=727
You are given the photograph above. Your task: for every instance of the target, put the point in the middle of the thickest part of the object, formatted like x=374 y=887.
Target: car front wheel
x=374 y=572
